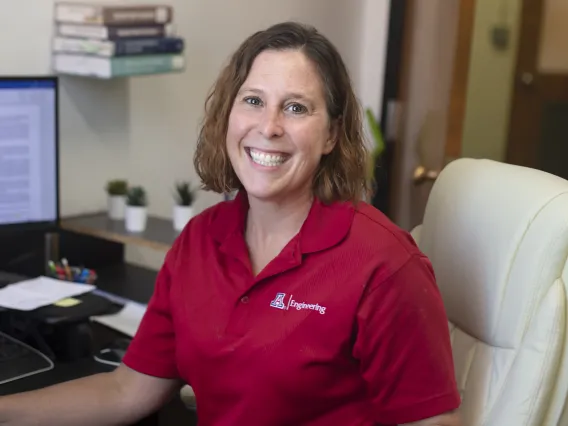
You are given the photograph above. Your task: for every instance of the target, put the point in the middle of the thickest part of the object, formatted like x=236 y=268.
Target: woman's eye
x=252 y=100
x=297 y=108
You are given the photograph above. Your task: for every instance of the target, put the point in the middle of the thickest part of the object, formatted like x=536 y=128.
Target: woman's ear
x=333 y=135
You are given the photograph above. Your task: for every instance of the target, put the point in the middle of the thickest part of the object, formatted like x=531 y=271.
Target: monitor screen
x=28 y=152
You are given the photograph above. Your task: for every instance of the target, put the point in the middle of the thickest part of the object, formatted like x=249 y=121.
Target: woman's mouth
x=266 y=159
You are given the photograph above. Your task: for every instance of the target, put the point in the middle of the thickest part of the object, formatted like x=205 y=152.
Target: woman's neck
x=271 y=226
x=267 y=218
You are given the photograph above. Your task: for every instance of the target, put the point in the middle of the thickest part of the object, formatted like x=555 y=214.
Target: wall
x=144 y=129
x=373 y=34
x=490 y=85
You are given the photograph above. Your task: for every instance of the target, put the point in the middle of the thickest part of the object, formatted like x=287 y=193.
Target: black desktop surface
x=128 y=281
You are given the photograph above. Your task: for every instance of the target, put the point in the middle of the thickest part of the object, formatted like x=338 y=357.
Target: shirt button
x=244 y=299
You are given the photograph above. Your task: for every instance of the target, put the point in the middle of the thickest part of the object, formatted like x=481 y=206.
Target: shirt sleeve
x=403 y=346
x=152 y=350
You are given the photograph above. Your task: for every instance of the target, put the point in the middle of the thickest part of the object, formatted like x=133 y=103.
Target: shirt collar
x=326 y=225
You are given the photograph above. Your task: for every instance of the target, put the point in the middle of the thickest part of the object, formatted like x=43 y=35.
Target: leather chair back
x=497 y=236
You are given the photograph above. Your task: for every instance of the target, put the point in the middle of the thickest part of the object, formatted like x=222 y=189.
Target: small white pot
x=116 y=206
x=136 y=218
x=182 y=215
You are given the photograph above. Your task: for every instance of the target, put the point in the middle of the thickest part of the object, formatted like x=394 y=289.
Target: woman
x=296 y=303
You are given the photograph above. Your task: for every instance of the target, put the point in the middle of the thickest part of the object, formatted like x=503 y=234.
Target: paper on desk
x=126 y=320
x=42 y=291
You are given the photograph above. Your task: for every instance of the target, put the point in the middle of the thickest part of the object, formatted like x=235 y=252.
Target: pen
x=84 y=275
x=59 y=272
x=52 y=268
x=67 y=270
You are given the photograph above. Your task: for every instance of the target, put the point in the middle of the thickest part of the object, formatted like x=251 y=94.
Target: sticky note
x=67 y=303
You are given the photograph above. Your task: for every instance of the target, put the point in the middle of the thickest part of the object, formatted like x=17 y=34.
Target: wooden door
x=538 y=127
x=435 y=62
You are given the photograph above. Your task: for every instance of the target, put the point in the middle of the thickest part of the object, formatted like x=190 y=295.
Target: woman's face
x=279 y=127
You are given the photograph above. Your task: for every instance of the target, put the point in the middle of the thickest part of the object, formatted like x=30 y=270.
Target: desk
x=159 y=233
x=127 y=281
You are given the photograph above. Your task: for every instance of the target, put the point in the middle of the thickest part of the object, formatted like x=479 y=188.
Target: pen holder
x=72 y=273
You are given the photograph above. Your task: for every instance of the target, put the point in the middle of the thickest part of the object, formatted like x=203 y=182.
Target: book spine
x=120 y=32
x=139 y=65
x=83 y=31
x=77 y=13
x=84 y=65
x=84 y=46
x=112 y=15
x=103 y=32
x=123 y=47
x=148 y=46
x=137 y=15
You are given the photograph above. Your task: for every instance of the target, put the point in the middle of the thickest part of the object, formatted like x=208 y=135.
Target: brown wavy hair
x=342 y=174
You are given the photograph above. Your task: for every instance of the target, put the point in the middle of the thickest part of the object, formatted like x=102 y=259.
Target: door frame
x=384 y=172
x=398 y=48
x=394 y=58
x=460 y=78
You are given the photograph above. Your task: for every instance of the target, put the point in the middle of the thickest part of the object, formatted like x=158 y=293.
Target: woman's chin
x=263 y=194
x=266 y=191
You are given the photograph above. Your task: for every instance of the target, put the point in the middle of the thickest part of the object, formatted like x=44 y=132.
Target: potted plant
x=116 y=198
x=183 y=207
x=136 y=209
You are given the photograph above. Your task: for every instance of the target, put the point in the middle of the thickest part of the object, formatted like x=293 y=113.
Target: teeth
x=268 y=160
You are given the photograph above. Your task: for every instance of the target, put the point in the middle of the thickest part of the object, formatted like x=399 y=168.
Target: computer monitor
x=29 y=178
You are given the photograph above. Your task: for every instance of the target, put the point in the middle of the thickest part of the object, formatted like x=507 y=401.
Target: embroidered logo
x=279 y=302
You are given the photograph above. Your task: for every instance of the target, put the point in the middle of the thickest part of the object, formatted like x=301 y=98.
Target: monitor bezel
x=47 y=226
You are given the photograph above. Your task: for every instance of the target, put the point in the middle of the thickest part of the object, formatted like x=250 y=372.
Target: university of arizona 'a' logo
x=278 y=301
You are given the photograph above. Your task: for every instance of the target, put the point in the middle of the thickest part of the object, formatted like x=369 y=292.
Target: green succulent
x=136 y=196
x=184 y=194
x=117 y=187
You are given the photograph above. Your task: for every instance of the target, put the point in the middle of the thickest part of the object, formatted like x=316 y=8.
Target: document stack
x=109 y=41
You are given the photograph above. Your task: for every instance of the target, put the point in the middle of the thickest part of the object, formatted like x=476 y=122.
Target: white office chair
x=497 y=236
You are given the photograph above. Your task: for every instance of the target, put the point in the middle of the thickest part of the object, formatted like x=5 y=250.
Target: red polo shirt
x=344 y=327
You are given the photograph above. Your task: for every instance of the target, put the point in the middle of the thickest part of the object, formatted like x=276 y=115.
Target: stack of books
x=108 y=41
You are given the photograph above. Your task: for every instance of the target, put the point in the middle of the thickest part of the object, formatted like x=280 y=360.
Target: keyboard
x=18 y=360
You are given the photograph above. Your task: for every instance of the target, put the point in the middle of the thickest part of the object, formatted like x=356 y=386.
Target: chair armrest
x=188 y=397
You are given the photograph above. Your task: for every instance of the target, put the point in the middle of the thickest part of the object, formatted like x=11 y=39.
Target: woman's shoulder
x=222 y=212
x=382 y=246
x=381 y=237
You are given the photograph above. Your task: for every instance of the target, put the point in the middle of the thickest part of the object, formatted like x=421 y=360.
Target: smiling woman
x=296 y=303
x=279 y=127
x=285 y=78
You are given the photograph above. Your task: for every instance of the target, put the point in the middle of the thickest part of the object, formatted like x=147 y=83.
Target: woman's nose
x=271 y=125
